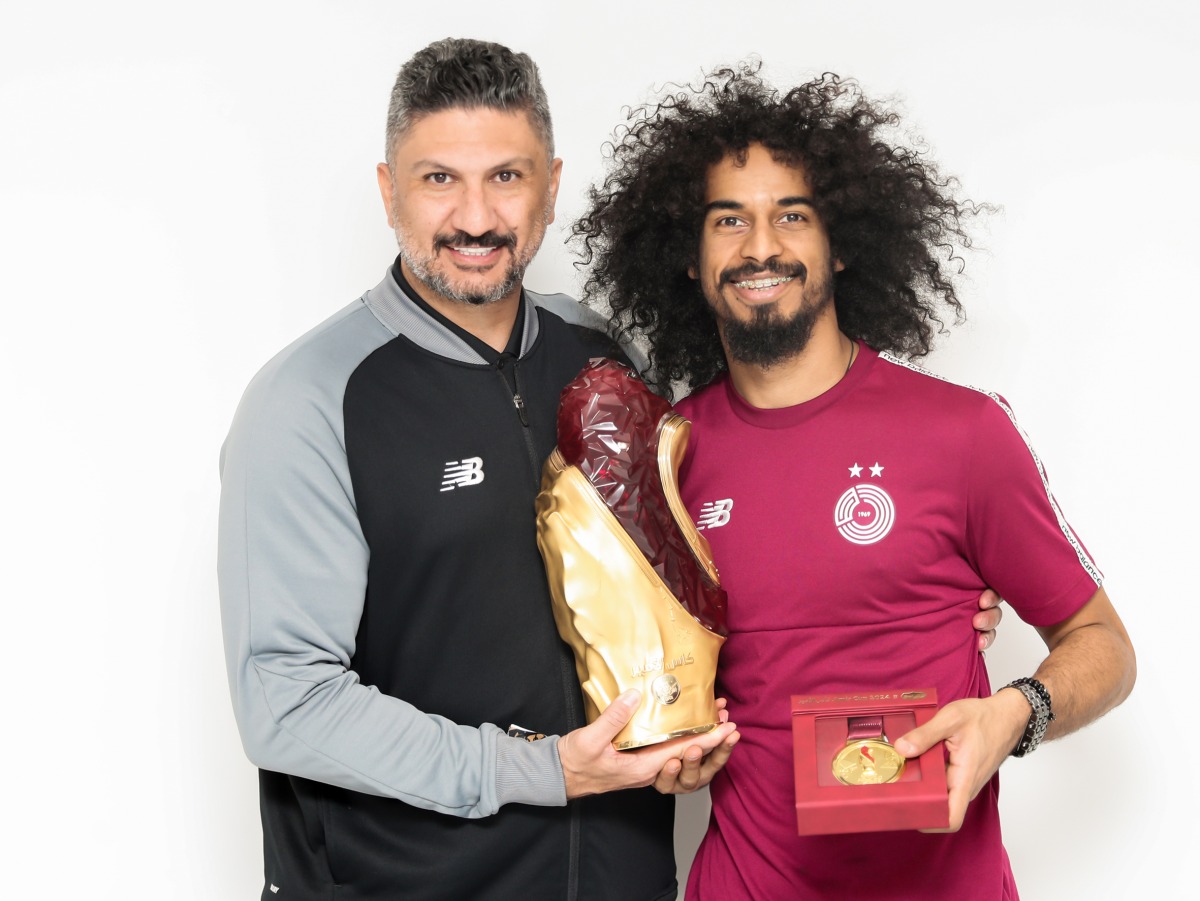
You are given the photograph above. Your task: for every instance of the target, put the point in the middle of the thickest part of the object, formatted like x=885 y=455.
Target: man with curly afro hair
x=785 y=257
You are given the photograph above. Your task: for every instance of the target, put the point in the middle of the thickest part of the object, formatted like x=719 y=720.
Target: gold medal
x=868 y=757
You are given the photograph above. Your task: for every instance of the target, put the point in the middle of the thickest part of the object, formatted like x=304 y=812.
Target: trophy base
x=665 y=736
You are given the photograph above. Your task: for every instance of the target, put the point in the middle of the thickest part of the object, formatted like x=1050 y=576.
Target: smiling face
x=765 y=264
x=469 y=194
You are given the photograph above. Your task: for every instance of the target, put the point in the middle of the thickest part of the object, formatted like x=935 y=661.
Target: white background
x=186 y=188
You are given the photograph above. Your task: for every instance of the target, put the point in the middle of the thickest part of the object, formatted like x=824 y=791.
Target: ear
x=552 y=191
x=838 y=265
x=692 y=272
x=386 y=190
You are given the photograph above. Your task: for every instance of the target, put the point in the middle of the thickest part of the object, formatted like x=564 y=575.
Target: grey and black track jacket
x=386 y=617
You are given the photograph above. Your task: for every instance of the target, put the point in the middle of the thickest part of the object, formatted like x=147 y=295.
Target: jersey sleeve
x=1017 y=537
x=292 y=570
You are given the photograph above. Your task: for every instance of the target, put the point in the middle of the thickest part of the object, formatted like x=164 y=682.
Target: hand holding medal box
x=849 y=778
x=634 y=588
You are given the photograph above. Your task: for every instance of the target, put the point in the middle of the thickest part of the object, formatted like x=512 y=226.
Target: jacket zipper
x=566 y=661
x=514 y=390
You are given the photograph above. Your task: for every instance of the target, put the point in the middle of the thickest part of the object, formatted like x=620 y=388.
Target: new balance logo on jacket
x=461 y=473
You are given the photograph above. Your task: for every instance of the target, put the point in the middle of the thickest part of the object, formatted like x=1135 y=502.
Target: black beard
x=766 y=339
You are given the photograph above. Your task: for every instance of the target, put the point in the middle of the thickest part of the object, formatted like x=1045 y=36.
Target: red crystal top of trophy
x=608 y=426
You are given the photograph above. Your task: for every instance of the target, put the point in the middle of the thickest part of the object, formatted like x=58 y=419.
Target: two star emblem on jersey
x=864 y=514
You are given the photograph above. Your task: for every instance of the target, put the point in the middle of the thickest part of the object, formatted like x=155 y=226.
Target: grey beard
x=439 y=284
x=422 y=266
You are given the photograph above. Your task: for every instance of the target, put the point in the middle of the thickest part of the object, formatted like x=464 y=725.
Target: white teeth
x=474 y=251
x=763 y=282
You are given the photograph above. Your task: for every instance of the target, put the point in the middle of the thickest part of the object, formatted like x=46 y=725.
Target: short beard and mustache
x=767 y=339
x=422 y=266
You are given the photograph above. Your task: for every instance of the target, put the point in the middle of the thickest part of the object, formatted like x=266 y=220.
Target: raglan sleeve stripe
x=292 y=569
x=1018 y=537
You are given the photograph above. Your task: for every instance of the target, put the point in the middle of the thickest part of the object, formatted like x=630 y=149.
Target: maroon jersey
x=854 y=534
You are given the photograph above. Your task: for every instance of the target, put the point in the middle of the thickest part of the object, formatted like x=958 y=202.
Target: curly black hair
x=893 y=220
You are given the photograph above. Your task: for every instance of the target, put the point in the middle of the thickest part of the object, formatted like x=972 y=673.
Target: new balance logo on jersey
x=461 y=473
x=715 y=514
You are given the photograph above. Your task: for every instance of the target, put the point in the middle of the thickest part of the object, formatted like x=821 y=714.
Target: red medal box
x=833 y=743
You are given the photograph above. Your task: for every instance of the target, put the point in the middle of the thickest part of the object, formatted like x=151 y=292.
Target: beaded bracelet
x=1039 y=718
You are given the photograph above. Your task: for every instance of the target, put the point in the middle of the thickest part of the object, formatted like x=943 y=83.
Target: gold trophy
x=634 y=588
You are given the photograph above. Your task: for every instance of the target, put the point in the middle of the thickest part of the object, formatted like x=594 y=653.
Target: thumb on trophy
x=591 y=765
x=618 y=714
